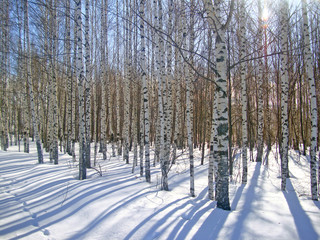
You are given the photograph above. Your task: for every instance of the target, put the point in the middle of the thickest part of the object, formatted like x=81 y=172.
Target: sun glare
x=265 y=14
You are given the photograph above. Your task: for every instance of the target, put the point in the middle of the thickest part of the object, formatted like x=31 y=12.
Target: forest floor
x=48 y=202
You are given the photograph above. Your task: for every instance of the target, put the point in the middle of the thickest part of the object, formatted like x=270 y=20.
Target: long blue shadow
x=141 y=224
x=301 y=219
x=249 y=199
x=212 y=226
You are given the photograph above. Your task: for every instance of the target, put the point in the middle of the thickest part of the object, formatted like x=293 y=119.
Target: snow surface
x=48 y=202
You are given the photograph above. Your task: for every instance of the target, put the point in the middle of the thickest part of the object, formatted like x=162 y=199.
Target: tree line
x=159 y=76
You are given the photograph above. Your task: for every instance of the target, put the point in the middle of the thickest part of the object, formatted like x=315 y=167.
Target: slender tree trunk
x=104 y=74
x=87 y=93
x=69 y=79
x=284 y=92
x=243 y=93
x=53 y=111
x=81 y=86
x=189 y=101
x=4 y=73
x=314 y=111
x=30 y=86
x=145 y=95
x=260 y=141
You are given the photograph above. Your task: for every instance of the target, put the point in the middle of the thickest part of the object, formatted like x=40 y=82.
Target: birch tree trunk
x=118 y=80
x=260 y=89
x=177 y=87
x=103 y=76
x=81 y=85
x=69 y=78
x=243 y=92
x=4 y=50
x=87 y=86
x=53 y=85
x=315 y=193
x=221 y=148
x=189 y=102
x=74 y=87
x=284 y=91
x=30 y=86
x=141 y=136
x=145 y=116
x=127 y=78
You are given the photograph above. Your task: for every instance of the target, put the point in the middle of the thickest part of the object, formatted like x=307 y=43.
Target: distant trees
x=162 y=75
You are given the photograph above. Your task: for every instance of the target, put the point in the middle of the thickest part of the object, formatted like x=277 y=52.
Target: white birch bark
x=221 y=148
x=260 y=89
x=127 y=78
x=26 y=113
x=69 y=78
x=81 y=85
x=145 y=116
x=30 y=86
x=159 y=119
x=177 y=88
x=284 y=91
x=53 y=85
x=74 y=88
x=4 y=69
x=141 y=136
x=87 y=92
x=242 y=54
x=315 y=193
x=189 y=100
x=213 y=161
x=103 y=76
x=118 y=80
x=162 y=100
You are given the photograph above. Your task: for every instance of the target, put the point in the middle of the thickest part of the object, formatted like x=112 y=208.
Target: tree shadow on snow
x=301 y=219
x=63 y=209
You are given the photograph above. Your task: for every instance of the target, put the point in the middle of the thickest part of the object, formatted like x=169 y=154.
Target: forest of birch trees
x=154 y=78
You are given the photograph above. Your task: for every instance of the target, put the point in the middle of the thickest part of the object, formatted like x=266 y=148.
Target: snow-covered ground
x=48 y=202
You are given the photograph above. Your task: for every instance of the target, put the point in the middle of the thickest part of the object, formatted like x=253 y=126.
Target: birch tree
x=4 y=49
x=284 y=91
x=260 y=88
x=30 y=86
x=127 y=78
x=81 y=85
x=87 y=92
x=103 y=76
x=242 y=54
x=189 y=101
x=145 y=116
x=221 y=149
x=313 y=99
x=53 y=112
x=118 y=80
x=69 y=78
